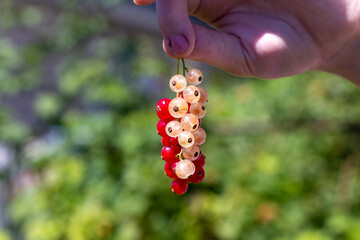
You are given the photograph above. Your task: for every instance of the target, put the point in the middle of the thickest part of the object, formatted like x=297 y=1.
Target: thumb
x=223 y=50
x=175 y=25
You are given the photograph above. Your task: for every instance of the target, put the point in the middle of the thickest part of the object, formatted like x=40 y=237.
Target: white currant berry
x=190 y=122
x=186 y=139
x=200 y=136
x=198 y=109
x=173 y=128
x=177 y=83
x=178 y=107
x=203 y=95
x=191 y=153
x=191 y=94
x=184 y=169
x=194 y=76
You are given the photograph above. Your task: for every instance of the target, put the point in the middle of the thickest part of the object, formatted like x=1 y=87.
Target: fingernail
x=178 y=43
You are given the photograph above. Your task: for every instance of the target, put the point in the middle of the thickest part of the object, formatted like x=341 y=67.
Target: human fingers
x=222 y=50
x=175 y=25
x=143 y=2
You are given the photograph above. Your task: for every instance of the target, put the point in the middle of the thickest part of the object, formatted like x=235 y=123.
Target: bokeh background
x=80 y=157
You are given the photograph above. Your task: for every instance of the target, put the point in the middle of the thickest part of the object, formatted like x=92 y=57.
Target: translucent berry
x=194 y=76
x=160 y=127
x=162 y=108
x=184 y=169
x=191 y=153
x=181 y=94
x=177 y=83
x=203 y=95
x=190 y=122
x=179 y=186
x=178 y=107
x=170 y=170
x=200 y=161
x=173 y=128
x=200 y=136
x=169 y=154
x=186 y=139
x=198 y=109
x=191 y=94
x=198 y=176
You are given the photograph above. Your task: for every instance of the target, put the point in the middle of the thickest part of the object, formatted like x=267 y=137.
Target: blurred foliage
x=282 y=155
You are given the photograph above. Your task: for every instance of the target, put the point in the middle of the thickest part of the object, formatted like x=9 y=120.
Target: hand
x=266 y=39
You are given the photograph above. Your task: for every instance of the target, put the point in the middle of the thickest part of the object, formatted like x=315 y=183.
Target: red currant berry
x=169 y=154
x=179 y=186
x=174 y=143
x=162 y=109
x=161 y=127
x=200 y=161
x=165 y=141
x=198 y=176
x=169 y=170
x=170 y=142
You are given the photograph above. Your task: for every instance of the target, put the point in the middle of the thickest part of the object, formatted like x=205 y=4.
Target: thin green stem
x=180 y=154
x=178 y=66
x=184 y=67
x=178 y=72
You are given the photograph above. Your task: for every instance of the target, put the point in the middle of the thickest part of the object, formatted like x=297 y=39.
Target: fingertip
x=173 y=18
x=177 y=46
x=143 y=2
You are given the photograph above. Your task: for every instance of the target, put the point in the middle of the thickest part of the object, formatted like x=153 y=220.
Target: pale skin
x=265 y=38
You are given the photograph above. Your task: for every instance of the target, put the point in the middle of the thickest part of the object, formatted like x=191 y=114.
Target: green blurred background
x=80 y=157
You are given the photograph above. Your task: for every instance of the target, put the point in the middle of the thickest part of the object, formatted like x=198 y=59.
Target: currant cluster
x=179 y=127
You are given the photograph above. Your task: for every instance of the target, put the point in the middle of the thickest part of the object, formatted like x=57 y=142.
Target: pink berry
x=178 y=107
x=169 y=170
x=179 y=186
x=198 y=176
x=173 y=128
x=169 y=154
x=184 y=169
x=181 y=94
x=195 y=76
x=200 y=136
x=186 y=139
x=162 y=109
x=191 y=94
x=203 y=95
x=177 y=83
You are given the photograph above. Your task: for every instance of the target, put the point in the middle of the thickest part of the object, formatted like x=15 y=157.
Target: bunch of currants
x=179 y=127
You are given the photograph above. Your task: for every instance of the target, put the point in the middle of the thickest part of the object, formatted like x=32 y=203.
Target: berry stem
x=184 y=67
x=178 y=66
x=180 y=154
x=178 y=72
